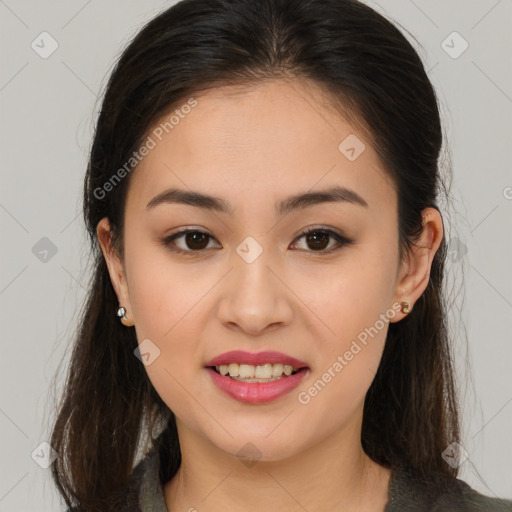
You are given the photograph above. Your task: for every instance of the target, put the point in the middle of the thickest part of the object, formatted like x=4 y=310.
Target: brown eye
x=192 y=241
x=196 y=240
x=317 y=240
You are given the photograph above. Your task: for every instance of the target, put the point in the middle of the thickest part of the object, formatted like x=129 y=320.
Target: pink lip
x=257 y=392
x=241 y=357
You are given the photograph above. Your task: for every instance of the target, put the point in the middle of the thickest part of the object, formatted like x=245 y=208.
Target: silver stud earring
x=121 y=313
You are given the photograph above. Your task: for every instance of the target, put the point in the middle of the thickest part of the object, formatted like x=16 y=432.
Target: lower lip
x=257 y=392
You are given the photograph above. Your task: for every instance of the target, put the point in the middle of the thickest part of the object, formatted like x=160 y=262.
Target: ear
x=414 y=273
x=115 y=268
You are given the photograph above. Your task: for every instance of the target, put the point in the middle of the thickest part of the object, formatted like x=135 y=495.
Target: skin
x=253 y=149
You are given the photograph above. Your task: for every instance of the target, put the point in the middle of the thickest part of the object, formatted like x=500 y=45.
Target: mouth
x=261 y=373
x=256 y=384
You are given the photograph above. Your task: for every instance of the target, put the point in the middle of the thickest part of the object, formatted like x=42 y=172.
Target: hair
x=374 y=76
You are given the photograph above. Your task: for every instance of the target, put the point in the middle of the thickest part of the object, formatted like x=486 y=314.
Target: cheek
x=348 y=297
x=162 y=294
x=346 y=364
x=165 y=300
x=352 y=313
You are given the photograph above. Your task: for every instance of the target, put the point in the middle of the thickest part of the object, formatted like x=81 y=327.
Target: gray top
x=405 y=493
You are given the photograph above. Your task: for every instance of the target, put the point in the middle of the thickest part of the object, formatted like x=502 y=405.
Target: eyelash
x=342 y=240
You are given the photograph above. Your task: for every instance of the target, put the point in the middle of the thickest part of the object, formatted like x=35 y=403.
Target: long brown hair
x=373 y=74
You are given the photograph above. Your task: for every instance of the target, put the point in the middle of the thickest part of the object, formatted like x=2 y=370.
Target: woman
x=267 y=300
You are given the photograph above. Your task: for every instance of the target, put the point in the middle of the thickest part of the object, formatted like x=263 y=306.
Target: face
x=247 y=278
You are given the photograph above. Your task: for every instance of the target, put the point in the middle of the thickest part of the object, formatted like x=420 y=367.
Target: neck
x=335 y=474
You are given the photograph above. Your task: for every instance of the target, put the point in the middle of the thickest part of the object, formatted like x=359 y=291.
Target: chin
x=258 y=447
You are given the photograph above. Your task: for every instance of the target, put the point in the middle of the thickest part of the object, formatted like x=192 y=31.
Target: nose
x=255 y=297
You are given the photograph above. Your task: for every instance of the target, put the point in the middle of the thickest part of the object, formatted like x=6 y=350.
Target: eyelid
x=166 y=240
x=340 y=238
x=332 y=232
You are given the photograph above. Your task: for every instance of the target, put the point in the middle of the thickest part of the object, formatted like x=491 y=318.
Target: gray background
x=48 y=107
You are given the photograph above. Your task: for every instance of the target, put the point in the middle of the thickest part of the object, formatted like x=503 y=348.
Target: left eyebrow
x=335 y=194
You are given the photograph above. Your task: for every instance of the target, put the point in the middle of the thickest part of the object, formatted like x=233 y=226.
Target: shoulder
x=466 y=499
x=411 y=494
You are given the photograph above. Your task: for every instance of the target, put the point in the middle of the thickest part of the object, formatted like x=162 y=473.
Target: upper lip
x=242 y=357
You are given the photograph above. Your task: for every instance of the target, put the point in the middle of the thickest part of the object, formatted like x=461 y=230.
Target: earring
x=405 y=307
x=121 y=313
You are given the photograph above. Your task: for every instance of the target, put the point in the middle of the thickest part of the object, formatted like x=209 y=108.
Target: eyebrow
x=337 y=194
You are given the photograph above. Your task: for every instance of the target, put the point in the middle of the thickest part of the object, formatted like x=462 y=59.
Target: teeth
x=248 y=371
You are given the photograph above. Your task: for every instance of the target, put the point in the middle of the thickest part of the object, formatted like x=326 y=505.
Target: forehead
x=259 y=142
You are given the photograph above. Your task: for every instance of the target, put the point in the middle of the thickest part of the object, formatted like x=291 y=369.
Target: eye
x=196 y=241
x=318 y=239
